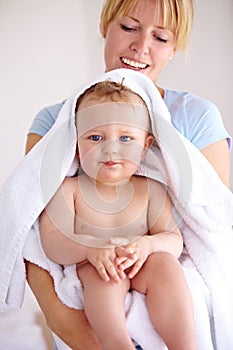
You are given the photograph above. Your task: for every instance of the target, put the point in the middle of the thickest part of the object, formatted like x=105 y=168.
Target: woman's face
x=138 y=41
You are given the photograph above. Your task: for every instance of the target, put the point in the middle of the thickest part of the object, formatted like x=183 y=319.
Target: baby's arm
x=164 y=234
x=56 y=223
x=57 y=226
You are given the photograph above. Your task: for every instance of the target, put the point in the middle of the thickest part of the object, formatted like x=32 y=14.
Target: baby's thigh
x=87 y=273
x=89 y=277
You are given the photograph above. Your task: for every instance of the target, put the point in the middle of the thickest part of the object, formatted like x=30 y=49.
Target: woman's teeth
x=133 y=64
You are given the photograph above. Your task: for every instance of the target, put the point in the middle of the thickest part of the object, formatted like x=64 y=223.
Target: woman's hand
x=103 y=259
x=133 y=255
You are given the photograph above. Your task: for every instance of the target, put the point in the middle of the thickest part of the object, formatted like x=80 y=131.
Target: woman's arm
x=32 y=139
x=68 y=324
x=219 y=157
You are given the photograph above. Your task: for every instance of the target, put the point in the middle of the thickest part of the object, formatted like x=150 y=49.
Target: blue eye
x=125 y=138
x=96 y=137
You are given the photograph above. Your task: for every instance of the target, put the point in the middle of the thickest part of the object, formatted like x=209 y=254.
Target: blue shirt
x=197 y=119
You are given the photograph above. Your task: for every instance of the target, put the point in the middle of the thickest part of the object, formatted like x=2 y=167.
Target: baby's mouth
x=110 y=163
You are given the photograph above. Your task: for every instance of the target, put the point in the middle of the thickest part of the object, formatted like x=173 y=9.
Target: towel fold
x=202 y=205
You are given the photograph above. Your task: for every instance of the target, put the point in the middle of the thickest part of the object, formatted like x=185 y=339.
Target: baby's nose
x=110 y=147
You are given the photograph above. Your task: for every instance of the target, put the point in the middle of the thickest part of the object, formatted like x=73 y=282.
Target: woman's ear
x=172 y=54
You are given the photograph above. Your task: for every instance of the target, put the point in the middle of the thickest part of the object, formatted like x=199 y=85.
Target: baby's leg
x=104 y=307
x=169 y=301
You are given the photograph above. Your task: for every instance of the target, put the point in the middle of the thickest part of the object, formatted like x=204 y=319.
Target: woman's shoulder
x=52 y=110
x=45 y=119
x=187 y=101
x=198 y=119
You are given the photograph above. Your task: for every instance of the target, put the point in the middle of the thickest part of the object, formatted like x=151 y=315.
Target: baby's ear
x=148 y=143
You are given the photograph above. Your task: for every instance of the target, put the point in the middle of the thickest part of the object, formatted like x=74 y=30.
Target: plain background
x=49 y=48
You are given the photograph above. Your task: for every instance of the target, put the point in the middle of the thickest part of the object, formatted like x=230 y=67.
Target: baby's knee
x=161 y=264
x=160 y=260
x=158 y=266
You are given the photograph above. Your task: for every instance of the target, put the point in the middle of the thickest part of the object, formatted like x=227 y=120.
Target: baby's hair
x=108 y=90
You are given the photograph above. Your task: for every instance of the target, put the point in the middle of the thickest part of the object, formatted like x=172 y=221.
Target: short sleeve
x=197 y=119
x=206 y=127
x=45 y=119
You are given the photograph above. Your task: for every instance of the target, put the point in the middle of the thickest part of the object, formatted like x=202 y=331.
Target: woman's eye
x=161 y=39
x=96 y=137
x=125 y=138
x=126 y=28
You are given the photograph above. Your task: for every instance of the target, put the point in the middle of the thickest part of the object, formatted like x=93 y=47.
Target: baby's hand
x=133 y=254
x=103 y=259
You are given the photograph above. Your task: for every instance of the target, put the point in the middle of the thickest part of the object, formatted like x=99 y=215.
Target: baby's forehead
x=100 y=114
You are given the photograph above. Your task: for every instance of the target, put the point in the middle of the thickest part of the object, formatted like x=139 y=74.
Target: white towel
x=202 y=204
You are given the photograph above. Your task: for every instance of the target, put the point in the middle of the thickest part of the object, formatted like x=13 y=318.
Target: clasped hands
x=120 y=261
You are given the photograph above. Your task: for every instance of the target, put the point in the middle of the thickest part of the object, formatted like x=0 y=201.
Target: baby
x=116 y=226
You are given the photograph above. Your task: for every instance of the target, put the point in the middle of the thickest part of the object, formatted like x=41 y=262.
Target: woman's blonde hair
x=177 y=16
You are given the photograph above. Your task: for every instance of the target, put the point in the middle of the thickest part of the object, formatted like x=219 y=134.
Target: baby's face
x=112 y=138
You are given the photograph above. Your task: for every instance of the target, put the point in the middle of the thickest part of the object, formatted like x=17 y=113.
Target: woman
x=142 y=38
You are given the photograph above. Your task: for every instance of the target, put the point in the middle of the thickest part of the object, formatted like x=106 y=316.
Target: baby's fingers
x=136 y=267
x=120 y=260
x=127 y=263
x=113 y=271
x=102 y=272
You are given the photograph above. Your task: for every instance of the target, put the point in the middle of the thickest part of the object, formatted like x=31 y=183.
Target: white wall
x=48 y=48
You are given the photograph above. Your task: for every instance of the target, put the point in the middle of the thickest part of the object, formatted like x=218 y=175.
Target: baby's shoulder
x=70 y=184
x=151 y=184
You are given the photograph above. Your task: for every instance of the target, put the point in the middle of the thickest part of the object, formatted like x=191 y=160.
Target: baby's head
x=109 y=91
x=99 y=101
x=113 y=128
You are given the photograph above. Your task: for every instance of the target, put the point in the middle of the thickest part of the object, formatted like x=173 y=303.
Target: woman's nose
x=140 y=44
x=110 y=147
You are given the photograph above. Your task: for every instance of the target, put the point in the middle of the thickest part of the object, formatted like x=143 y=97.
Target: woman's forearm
x=219 y=157
x=68 y=324
x=32 y=140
